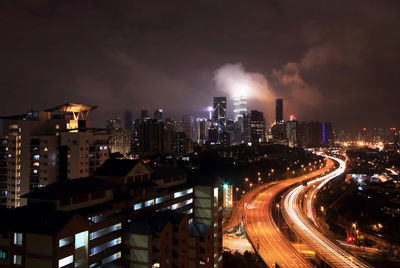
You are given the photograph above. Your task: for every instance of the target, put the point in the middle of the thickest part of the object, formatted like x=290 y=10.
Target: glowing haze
x=233 y=81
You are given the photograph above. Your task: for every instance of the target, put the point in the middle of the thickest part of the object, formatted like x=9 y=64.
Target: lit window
x=137 y=206
x=36 y=157
x=17 y=238
x=17 y=259
x=149 y=203
x=3 y=254
x=65 y=261
x=105 y=231
x=112 y=257
x=35 y=171
x=162 y=199
x=182 y=193
x=104 y=246
x=65 y=241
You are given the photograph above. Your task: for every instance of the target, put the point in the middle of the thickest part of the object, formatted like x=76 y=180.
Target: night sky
x=329 y=60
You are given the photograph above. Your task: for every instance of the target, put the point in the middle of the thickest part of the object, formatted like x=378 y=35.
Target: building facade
x=127 y=214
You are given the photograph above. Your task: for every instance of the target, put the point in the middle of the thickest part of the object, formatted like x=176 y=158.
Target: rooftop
x=116 y=167
x=72 y=108
x=63 y=189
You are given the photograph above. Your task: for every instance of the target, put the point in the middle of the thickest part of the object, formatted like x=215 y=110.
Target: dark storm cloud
x=328 y=60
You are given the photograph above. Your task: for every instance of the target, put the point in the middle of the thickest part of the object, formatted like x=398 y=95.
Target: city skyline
x=342 y=72
x=199 y=134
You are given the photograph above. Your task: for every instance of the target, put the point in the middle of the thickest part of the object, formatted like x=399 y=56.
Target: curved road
x=262 y=231
x=328 y=250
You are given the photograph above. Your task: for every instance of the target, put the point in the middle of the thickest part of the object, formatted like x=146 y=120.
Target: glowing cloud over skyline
x=234 y=81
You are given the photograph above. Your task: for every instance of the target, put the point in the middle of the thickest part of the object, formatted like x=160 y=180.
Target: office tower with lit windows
x=279 y=110
x=187 y=125
x=257 y=127
x=220 y=112
x=202 y=127
x=291 y=133
x=240 y=107
x=120 y=138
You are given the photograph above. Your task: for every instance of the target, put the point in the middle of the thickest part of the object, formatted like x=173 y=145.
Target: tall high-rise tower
x=158 y=114
x=279 y=110
x=220 y=112
x=240 y=107
x=128 y=119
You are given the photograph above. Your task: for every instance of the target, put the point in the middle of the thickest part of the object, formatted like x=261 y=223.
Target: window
x=105 y=231
x=181 y=204
x=112 y=257
x=81 y=239
x=17 y=238
x=162 y=199
x=65 y=261
x=149 y=203
x=36 y=157
x=104 y=246
x=65 y=241
x=17 y=260
x=182 y=193
x=3 y=254
x=137 y=206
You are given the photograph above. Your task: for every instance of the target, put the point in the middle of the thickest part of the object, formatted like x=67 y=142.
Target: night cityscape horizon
x=206 y=134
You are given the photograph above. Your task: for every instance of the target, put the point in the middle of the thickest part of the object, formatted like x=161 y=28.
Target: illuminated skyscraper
x=220 y=112
x=257 y=127
x=240 y=107
x=158 y=114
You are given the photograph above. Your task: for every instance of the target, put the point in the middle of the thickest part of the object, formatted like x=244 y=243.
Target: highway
x=263 y=232
x=303 y=223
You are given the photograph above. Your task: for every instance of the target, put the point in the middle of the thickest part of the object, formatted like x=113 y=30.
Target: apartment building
x=38 y=146
x=135 y=217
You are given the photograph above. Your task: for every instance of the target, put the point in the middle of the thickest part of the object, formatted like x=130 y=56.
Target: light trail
x=262 y=231
x=327 y=249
